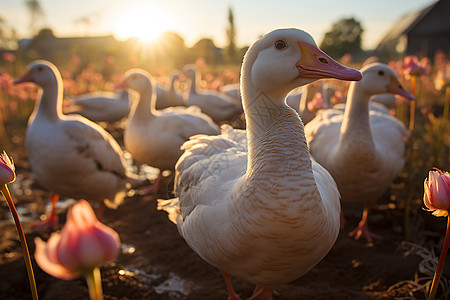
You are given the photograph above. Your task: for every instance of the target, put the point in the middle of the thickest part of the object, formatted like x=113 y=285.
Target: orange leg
x=101 y=211
x=153 y=189
x=363 y=229
x=262 y=292
x=52 y=218
x=231 y=293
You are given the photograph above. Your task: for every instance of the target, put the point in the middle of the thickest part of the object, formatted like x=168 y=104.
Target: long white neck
x=194 y=82
x=355 y=128
x=172 y=84
x=144 y=109
x=277 y=145
x=49 y=105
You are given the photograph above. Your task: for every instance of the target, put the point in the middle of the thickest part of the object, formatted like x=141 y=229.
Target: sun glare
x=142 y=24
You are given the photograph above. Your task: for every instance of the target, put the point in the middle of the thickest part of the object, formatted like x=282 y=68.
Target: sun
x=145 y=25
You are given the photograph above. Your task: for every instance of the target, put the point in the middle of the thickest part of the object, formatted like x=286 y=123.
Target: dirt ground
x=156 y=263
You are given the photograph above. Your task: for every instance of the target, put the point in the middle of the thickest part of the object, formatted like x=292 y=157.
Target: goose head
x=379 y=78
x=41 y=72
x=288 y=58
x=138 y=80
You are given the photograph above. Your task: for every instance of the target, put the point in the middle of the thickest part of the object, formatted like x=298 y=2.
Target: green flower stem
x=94 y=281
x=440 y=265
x=23 y=241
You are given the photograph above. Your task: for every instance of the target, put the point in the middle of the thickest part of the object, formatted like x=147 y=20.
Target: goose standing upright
x=219 y=106
x=155 y=136
x=70 y=155
x=364 y=150
x=270 y=214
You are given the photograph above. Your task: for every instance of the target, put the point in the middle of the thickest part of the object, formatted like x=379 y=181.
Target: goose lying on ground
x=269 y=214
x=154 y=137
x=101 y=106
x=219 y=106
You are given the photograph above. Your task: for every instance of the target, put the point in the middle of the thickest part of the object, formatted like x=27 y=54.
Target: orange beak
x=121 y=85
x=25 y=78
x=315 y=63
x=396 y=87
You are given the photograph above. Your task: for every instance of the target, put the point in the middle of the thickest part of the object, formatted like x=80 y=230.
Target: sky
x=196 y=19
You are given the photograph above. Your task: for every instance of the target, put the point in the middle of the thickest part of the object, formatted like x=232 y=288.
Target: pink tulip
x=317 y=103
x=9 y=57
x=7 y=169
x=83 y=244
x=8 y=175
x=436 y=195
x=437 y=199
x=412 y=66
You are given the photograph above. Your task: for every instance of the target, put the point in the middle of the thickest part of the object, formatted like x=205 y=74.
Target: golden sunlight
x=146 y=25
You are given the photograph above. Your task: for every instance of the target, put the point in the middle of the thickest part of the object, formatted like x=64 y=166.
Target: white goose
x=169 y=96
x=155 y=136
x=70 y=155
x=364 y=151
x=383 y=102
x=219 y=106
x=101 y=106
x=269 y=214
x=233 y=90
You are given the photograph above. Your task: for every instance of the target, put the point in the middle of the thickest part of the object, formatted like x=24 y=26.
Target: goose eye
x=381 y=73
x=40 y=69
x=280 y=44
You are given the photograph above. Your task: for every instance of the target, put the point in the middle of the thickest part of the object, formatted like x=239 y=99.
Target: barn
x=420 y=33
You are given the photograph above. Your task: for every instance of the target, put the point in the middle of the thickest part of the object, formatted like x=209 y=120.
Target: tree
x=344 y=37
x=206 y=49
x=36 y=14
x=173 y=48
x=8 y=36
x=231 y=36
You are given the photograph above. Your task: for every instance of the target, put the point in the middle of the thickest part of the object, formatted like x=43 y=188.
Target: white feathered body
x=252 y=203
x=167 y=98
x=101 y=107
x=270 y=215
x=158 y=142
x=220 y=107
x=155 y=137
x=76 y=158
x=363 y=148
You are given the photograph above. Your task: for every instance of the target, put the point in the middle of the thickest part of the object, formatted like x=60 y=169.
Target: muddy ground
x=156 y=263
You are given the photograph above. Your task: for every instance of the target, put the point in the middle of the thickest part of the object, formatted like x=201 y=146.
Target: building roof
x=406 y=24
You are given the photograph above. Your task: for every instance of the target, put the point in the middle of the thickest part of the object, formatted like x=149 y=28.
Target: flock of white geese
x=262 y=204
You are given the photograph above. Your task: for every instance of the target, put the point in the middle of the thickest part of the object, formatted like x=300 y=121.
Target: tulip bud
x=83 y=244
x=7 y=169
x=436 y=195
x=317 y=103
x=412 y=66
